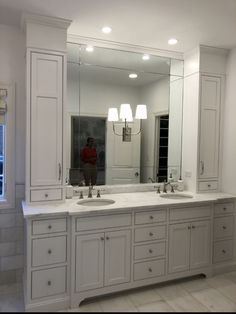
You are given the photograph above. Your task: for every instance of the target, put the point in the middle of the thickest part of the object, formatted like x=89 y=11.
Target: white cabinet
x=209 y=127
x=102 y=259
x=189 y=246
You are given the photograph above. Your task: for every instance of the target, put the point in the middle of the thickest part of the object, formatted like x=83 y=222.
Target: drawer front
x=101 y=222
x=150 y=217
x=48 y=226
x=150 y=233
x=208 y=186
x=157 y=249
x=45 y=195
x=49 y=251
x=48 y=282
x=223 y=251
x=224 y=208
x=223 y=227
x=190 y=213
x=150 y=269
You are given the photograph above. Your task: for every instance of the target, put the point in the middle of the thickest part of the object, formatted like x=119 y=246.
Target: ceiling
x=147 y=23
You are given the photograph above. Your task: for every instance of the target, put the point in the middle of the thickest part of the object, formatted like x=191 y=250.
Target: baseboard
x=223 y=268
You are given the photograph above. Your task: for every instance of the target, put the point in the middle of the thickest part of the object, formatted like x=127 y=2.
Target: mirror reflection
x=135 y=144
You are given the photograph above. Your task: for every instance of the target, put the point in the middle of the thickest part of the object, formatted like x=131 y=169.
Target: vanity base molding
x=77 y=298
x=49 y=306
x=223 y=268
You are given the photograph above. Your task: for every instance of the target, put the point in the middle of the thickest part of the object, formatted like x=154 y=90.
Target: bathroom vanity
x=76 y=251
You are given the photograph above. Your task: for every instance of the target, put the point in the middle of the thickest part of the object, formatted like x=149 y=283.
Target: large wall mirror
x=99 y=79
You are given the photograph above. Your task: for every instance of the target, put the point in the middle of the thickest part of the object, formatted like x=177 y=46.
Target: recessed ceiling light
x=106 y=29
x=89 y=49
x=133 y=75
x=172 y=41
x=145 y=57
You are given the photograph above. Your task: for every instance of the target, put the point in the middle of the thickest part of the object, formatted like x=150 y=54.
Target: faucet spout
x=90 y=195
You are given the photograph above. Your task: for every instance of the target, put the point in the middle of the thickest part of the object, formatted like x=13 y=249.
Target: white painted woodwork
x=89 y=254
x=117 y=257
x=149 y=233
x=45 y=195
x=200 y=245
x=179 y=247
x=48 y=226
x=48 y=282
x=157 y=249
x=149 y=269
x=190 y=212
x=103 y=221
x=222 y=251
x=207 y=186
x=46 y=119
x=223 y=208
x=209 y=127
x=150 y=217
x=223 y=227
x=47 y=251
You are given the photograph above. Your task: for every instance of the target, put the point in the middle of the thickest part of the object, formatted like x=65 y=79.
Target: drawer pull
x=107 y=238
x=223 y=251
x=49 y=251
x=224 y=227
x=102 y=239
x=151 y=234
x=224 y=208
x=209 y=185
x=46 y=195
x=49 y=227
x=49 y=283
x=193 y=227
x=151 y=217
x=150 y=270
x=150 y=251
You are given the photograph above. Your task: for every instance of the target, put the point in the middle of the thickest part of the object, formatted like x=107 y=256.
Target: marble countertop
x=123 y=201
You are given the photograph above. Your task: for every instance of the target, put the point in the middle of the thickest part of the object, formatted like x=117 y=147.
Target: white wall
x=229 y=128
x=12 y=69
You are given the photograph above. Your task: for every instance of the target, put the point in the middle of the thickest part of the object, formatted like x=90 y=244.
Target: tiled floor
x=198 y=294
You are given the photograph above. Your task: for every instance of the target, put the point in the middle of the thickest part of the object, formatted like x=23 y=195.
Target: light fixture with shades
x=127 y=116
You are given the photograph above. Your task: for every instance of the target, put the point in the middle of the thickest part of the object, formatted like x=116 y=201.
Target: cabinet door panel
x=200 y=244
x=117 y=257
x=179 y=247
x=89 y=261
x=209 y=130
x=46 y=120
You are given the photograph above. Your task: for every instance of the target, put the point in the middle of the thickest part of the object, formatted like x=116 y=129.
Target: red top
x=89 y=155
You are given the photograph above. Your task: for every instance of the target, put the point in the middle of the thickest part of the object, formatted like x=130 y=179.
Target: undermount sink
x=96 y=202
x=175 y=196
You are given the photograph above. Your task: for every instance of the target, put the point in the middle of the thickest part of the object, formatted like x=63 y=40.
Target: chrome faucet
x=90 y=194
x=165 y=184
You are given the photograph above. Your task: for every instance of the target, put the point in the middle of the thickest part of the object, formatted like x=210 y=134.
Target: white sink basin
x=96 y=202
x=175 y=196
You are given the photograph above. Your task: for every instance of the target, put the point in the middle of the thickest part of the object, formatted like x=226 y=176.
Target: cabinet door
x=209 y=129
x=179 y=247
x=200 y=244
x=46 y=119
x=89 y=261
x=117 y=257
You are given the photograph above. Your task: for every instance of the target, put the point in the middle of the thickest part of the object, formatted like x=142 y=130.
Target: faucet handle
x=81 y=195
x=98 y=193
x=172 y=188
x=158 y=188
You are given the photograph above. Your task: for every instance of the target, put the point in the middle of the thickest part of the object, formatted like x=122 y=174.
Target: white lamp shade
x=141 y=112
x=113 y=114
x=126 y=113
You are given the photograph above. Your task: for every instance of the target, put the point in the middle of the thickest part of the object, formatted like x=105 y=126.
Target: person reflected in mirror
x=89 y=158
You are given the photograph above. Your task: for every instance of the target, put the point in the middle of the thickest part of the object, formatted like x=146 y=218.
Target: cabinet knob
x=49 y=227
x=224 y=208
x=102 y=239
x=151 y=217
x=223 y=251
x=49 y=283
x=49 y=251
x=224 y=227
x=107 y=238
x=149 y=269
x=46 y=195
x=151 y=234
x=209 y=185
x=150 y=251
x=193 y=227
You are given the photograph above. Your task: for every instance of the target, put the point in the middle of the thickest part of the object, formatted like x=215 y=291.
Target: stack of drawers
x=223 y=232
x=48 y=258
x=149 y=244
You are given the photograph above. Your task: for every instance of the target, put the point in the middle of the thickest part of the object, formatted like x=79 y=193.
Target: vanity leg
x=208 y=273
x=75 y=302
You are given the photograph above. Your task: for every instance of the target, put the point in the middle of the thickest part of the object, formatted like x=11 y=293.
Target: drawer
x=190 y=212
x=48 y=251
x=150 y=233
x=101 y=222
x=223 y=251
x=208 y=186
x=223 y=227
x=47 y=226
x=45 y=195
x=224 y=208
x=150 y=217
x=48 y=282
x=150 y=269
x=157 y=249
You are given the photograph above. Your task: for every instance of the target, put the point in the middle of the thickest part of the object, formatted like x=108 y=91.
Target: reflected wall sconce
x=127 y=116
